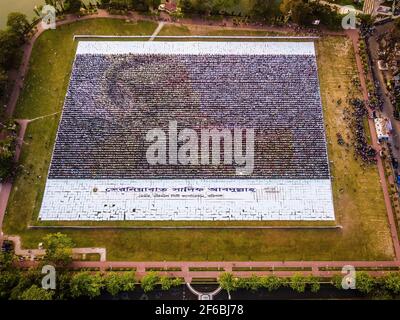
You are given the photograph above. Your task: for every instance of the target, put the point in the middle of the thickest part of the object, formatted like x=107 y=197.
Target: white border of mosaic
x=197 y=48
x=192 y=199
x=198 y=199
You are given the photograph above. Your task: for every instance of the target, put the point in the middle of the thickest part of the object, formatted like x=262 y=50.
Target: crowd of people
x=114 y=100
x=362 y=148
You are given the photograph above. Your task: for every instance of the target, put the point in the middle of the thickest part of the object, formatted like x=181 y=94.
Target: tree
x=314 y=284
x=301 y=13
x=167 y=282
x=105 y=3
x=117 y=282
x=7 y=152
x=3 y=82
x=298 y=282
x=58 y=248
x=36 y=293
x=128 y=281
x=60 y=5
x=265 y=9
x=140 y=5
x=8 y=280
x=63 y=288
x=271 y=283
x=285 y=7
x=149 y=281
x=392 y=282
x=252 y=283
x=72 y=6
x=9 y=46
x=366 y=19
x=26 y=280
x=153 y=3
x=86 y=284
x=364 y=282
x=203 y=6
x=18 y=23
x=6 y=260
x=227 y=282
x=113 y=283
x=337 y=281
x=187 y=6
x=296 y=10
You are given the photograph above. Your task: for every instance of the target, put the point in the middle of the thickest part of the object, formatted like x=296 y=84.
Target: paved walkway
x=157 y=31
x=354 y=36
x=205 y=295
x=314 y=267
x=32 y=253
x=387 y=109
x=188 y=270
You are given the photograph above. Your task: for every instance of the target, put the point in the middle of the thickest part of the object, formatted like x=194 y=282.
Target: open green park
x=358 y=198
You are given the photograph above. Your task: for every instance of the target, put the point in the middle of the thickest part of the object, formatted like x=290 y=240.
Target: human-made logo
x=48 y=15
x=349 y=280
x=349 y=20
x=49 y=280
x=187 y=153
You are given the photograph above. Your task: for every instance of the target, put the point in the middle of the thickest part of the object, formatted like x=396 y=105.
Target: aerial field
x=358 y=198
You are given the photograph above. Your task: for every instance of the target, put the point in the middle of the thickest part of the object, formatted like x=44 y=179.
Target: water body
x=23 y=6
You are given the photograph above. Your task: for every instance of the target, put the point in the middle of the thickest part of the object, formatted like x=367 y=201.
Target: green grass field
x=358 y=198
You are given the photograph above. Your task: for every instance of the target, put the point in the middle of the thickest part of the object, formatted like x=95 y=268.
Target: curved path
x=317 y=268
x=204 y=295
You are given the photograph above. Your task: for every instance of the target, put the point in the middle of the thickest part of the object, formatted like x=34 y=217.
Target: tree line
x=18 y=284
x=385 y=287
x=302 y=12
x=11 y=40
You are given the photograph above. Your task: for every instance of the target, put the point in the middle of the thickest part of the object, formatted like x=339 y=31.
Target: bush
x=252 y=283
x=392 y=282
x=149 y=281
x=86 y=284
x=298 y=283
x=271 y=283
x=7 y=153
x=314 y=284
x=58 y=248
x=227 y=282
x=364 y=282
x=167 y=283
x=119 y=282
x=36 y=293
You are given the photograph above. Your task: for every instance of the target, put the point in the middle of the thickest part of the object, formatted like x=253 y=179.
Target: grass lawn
x=358 y=198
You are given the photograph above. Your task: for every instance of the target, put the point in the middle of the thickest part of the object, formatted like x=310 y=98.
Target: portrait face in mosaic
x=123 y=96
x=156 y=90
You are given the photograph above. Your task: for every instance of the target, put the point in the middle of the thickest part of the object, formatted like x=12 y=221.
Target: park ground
x=358 y=198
